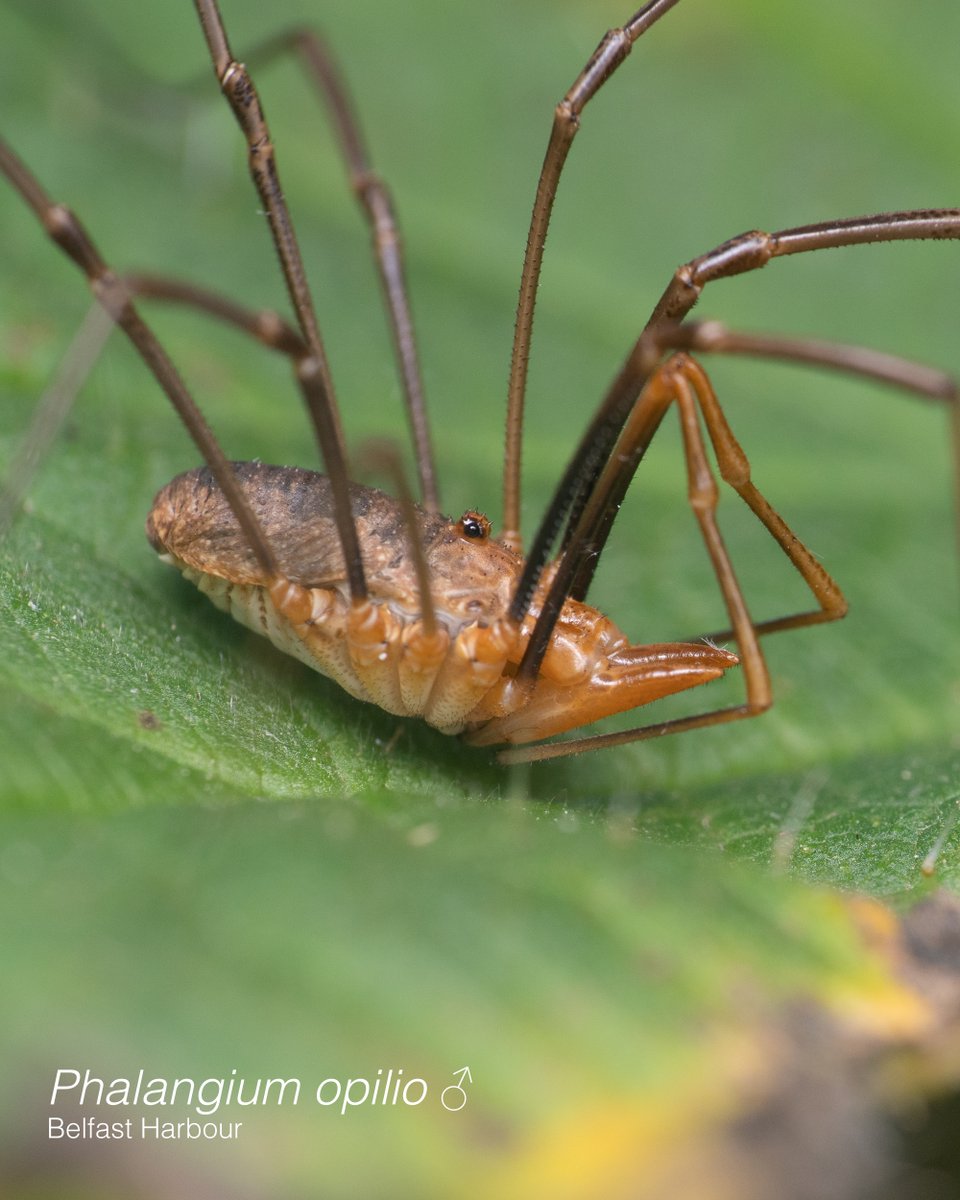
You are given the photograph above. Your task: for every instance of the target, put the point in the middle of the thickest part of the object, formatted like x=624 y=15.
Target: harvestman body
x=435 y=618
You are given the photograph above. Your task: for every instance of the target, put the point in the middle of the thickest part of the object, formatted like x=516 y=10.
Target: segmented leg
x=267 y=326
x=376 y=203
x=745 y=253
x=740 y=254
x=607 y=57
x=713 y=337
x=313 y=371
x=750 y=251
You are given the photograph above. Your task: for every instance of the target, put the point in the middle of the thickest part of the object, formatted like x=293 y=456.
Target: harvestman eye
x=474 y=525
x=438 y=619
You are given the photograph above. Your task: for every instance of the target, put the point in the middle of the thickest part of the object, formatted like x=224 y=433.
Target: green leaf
x=273 y=944
x=401 y=886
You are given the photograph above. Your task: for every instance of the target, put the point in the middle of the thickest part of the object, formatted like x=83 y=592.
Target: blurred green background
x=726 y=118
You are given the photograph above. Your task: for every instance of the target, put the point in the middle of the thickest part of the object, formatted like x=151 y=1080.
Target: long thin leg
x=744 y=253
x=267 y=326
x=750 y=251
x=314 y=371
x=611 y=52
x=713 y=337
x=679 y=381
x=376 y=203
x=68 y=233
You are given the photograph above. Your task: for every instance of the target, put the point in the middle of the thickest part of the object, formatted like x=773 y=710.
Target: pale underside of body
x=457 y=676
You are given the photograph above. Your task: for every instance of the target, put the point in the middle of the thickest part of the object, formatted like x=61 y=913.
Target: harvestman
x=435 y=618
